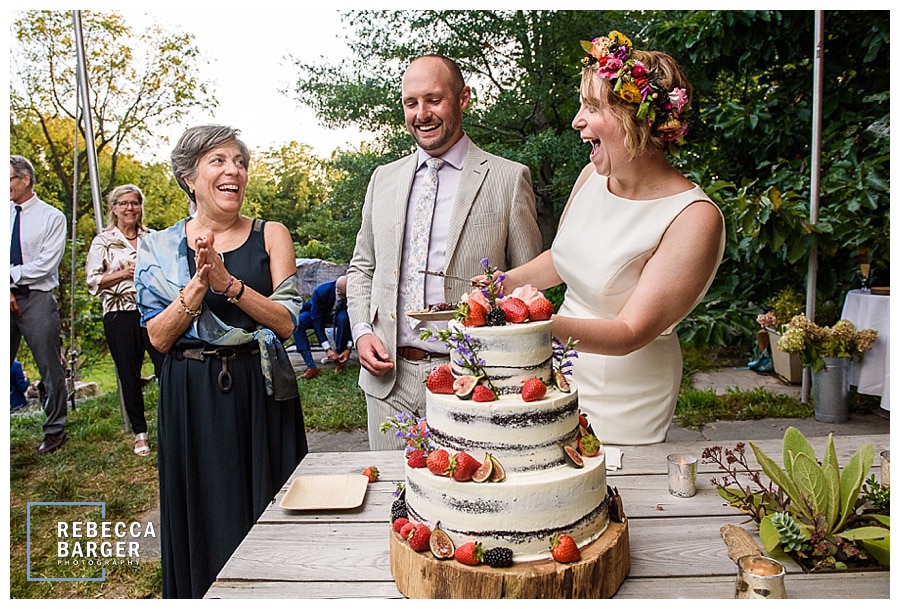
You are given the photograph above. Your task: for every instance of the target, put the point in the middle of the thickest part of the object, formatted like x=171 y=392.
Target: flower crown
x=635 y=84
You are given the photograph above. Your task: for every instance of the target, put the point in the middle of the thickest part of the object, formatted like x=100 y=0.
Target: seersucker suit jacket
x=493 y=217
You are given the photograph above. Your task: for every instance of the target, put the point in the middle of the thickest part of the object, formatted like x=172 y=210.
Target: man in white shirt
x=483 y=207
x=37 y=243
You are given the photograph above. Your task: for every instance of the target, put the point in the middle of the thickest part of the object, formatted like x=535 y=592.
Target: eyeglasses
x=128 y=203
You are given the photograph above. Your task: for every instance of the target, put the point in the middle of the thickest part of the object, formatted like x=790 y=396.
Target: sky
x=250 y=70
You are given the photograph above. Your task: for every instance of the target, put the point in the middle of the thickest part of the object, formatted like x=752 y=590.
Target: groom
x=421 y=214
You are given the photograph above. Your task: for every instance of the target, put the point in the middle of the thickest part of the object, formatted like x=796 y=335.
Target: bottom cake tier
x=522 y=512
x=603 y=566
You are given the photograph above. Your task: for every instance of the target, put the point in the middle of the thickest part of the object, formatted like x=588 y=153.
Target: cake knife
x=442 y=274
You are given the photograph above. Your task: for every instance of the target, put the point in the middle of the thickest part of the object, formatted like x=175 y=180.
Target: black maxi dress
x=222 y=456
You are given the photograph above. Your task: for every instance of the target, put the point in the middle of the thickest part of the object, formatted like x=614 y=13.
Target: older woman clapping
x=217 y=294
x=109 y=273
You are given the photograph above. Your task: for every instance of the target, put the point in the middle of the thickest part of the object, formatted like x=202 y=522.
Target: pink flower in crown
x=609 y=67
x=478 y=296
x=679 y=99
x=526 y=293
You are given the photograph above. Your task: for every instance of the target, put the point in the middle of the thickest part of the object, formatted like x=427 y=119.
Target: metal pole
x=813 y=266
x=88 y=124
x=93 y=172
x=72 y=358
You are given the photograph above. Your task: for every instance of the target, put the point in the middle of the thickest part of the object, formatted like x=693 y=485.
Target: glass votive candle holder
x=885 y=468
x=682 y=474
x=759 y=577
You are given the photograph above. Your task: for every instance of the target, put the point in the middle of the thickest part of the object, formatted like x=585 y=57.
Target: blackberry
x=498 y=557
x=496 y=317
x=398 y=509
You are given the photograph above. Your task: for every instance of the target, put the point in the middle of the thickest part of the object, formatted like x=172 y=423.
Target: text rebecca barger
x=101 y=540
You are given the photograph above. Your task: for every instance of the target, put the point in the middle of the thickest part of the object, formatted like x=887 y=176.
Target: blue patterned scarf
x=159 y=275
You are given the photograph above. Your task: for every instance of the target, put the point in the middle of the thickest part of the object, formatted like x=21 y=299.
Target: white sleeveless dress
x=599 y=251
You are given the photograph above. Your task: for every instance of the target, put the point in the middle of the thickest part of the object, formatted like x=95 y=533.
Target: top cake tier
x=511 y=353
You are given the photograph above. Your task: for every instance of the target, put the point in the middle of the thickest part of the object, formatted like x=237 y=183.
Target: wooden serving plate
x=603 y=567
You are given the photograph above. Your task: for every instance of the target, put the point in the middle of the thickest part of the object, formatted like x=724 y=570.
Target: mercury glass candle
x=759 y=577
x=682 y=475
x=885 y=468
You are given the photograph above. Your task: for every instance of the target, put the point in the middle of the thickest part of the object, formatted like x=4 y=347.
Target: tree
x=137 y=82
x=522 y=66
x=292 y=186
x=753 y=72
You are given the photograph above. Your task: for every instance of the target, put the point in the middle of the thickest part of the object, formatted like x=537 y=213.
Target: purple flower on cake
x=414 y=431
x=563 y=355
x=493 y=290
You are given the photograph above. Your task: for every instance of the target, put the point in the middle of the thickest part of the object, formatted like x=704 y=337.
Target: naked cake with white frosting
x=544 y=491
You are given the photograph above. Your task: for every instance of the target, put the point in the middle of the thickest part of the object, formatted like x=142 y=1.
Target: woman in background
x=109 y=273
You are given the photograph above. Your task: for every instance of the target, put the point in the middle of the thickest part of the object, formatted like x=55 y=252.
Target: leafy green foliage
x=822 y=498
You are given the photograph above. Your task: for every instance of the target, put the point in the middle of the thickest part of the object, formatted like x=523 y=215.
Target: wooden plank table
x=676 y=548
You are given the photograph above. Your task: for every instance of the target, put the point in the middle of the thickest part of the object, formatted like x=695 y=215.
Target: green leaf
x=795 y=443
x=812 y=483
x=866 y=533
x=852 y=478
x=768 y=535
x=881 y=519
x=832 y=472
x=780 y=478
x=879 y=549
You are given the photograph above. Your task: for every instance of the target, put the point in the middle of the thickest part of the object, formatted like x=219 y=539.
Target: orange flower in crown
x=611 y=56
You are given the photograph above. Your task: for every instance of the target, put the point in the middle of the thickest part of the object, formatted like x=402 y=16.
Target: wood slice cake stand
x=602 y=569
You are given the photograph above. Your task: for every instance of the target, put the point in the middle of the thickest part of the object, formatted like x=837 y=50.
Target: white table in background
x=872 y=376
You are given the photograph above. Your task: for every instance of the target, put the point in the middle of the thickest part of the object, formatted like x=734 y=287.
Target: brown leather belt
x=415 y=354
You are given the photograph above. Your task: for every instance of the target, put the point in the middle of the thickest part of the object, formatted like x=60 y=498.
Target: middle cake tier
x=523 y=436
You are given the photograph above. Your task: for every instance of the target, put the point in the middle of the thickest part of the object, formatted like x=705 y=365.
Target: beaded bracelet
x=192 y=312
x=234 y=299
x=225 y=291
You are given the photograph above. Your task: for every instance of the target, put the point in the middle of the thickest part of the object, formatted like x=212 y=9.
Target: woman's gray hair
x=114 y=195
x=197 y=141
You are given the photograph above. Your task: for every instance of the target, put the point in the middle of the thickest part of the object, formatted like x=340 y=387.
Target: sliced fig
x=483 y=473
x=616 y=507
x=464 y=386
x=573 y=457
x=440 y=544
x=498 y=474
x=559 y=379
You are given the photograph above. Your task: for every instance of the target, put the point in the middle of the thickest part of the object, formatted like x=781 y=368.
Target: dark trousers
x=38 y=322
x=341 y=335
x=127 y=342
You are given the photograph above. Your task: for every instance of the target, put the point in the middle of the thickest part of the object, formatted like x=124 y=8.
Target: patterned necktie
x=15 y=244
x=417 y=258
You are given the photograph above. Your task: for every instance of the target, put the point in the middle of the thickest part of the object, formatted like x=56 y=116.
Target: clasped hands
x=211 y=271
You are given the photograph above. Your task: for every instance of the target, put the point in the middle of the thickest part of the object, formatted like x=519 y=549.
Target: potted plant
x=822 y=516
x=786 y=304
x=827 y=351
